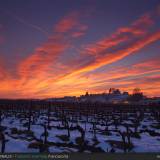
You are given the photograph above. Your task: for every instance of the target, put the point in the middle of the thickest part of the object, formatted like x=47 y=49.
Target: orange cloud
x=104 y=51
x=35 y=71
x=67 y=23
x=45 y=56
x=100 y=55
x=77 y=34
x=120 y=77
x=46 y=73
x=70 y=23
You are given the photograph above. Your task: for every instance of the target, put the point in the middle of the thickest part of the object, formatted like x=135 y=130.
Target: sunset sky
x=55 y=48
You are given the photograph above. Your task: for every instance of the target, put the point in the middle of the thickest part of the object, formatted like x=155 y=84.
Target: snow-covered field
x=71 y=133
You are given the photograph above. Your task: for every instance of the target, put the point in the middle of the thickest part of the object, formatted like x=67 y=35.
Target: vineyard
x=40 y=126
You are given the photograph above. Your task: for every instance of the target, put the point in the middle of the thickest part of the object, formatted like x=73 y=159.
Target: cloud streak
x=51 y=70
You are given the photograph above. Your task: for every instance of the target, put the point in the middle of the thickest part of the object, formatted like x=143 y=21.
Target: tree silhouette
x=136 y=96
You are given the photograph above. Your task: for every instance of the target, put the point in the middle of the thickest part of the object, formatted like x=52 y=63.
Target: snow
x=19 y=143
x=18 y=146
x=146 y=144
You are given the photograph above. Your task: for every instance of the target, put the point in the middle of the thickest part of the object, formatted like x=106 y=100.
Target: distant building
x=113 y=96
x=93 y=98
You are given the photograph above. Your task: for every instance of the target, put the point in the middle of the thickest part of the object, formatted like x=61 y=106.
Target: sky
x=56 y=48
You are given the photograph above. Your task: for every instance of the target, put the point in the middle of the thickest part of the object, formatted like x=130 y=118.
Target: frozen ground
x=19 y=142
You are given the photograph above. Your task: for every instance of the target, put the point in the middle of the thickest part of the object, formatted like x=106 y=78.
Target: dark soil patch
x=19 y=132
x=136 y=135
x=119 y=144
x=63 y=137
